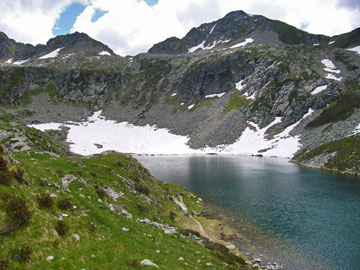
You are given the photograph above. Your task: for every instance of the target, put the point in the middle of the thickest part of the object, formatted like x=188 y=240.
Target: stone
x=231 y=247
x=50 y=258
x=125 y=229
x=180 y=259
x=148 y=263
x=76 y=237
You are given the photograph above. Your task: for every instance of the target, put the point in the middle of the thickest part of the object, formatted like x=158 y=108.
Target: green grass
x=346 y=160
x=27 y=97
x=236 y=102
x=108 y=247
x=339 y=110
x=202 y=104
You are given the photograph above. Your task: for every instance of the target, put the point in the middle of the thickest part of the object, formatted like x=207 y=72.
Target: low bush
x=17 y=211
x=172 y=216
x=142 y=188
x=100 y=192
x=19 y=175
x=142 y=208
x=4 y=264
x=5 y=175
x=23 y=254
x=64 y=204
x=62 y=228
x=91 y=227
x=132 y=263
x=44 y=200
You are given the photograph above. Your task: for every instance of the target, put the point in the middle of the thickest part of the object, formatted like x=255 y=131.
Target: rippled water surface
x=303 y=219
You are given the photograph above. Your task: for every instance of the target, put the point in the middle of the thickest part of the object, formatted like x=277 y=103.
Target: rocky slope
x=268 y=81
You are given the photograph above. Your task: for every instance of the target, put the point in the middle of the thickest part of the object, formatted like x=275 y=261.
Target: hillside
x=106 y=211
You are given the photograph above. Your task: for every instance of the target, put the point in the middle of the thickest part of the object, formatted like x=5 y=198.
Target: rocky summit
x=245 y=82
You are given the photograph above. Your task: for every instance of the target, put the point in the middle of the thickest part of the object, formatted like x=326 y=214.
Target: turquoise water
x=300 y=218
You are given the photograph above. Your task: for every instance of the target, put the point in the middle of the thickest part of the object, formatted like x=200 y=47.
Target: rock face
x=233 y=29
x=212 y=95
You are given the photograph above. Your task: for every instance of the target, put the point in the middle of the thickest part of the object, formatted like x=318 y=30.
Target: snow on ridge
x=212 y=29
x=319 y=89
x=52 y=54
x=20 y=62
x=215 y=95
x=104 y=53
x=330 y=67
x=239 y=85
x=355 y=49
x=200 y=46
x=242 y=44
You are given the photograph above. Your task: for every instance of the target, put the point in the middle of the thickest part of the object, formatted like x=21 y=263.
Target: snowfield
x=53 y=54
x=330 y=67
x=96 y=135
x=242 y=44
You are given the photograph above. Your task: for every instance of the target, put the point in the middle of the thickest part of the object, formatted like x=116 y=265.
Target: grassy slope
x=109 y=247
x=346 y=160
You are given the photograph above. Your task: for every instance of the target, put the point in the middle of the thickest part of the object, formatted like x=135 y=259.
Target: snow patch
x=212 y=29
x=319 y=89
x=9 y=61
x=355 y=49
x=247 y=95
x=47 y=126
x=330 y=67
x=316 y=44
x=52 y=54
x=200 y=46
x=356 y=130
x=20 y=62
x=215 y=95
x=240 y=85
x=242 y=44
x=174 y=94
x=104 y=53
x=191 y=106
x=332 y=42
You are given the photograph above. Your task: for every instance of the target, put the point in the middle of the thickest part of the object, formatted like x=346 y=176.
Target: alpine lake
x=300 y=218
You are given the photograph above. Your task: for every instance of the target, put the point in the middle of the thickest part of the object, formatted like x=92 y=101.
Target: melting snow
x=104 y=53
x=20 y=62
x=191 y=106
x=125 y=137
x=330 y=67
x=52 y=54
x=9 y=61
x=240 y=85
x=242 y=44
x=319 y=89
x=215 y=95
x=200 y=46
x=212 y=29
x=355 y=49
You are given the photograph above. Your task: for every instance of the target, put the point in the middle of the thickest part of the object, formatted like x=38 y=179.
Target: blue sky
x=68 y=17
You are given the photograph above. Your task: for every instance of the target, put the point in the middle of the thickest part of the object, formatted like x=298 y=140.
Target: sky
x=130 y=27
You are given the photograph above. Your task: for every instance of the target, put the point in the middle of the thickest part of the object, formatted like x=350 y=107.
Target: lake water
x=300 y=218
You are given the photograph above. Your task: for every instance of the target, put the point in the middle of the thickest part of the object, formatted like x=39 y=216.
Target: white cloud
x=131 y=26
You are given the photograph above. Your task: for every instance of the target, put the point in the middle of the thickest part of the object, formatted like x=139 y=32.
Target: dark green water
x=301 y=218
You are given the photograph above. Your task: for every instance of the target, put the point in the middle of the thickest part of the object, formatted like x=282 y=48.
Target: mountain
x=233 y=30
x=62 y=45
x=264 y=88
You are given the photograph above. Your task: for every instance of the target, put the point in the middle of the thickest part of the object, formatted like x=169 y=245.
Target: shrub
x=132 y=263
x=2 y=149
x=19 y=175
x=62 y=228
x=44 y=200
x=4 y=263
x=5 y=175
x=23 y=253
x=64 y=204
x=100 y=192
x=3 y=163
x=142 y=188
x=188 y=232
x=142 y=208
x=91 y=227
x=172 y=216
x=17 y=211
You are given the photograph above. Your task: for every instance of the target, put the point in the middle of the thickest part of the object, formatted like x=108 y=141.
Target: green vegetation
x=345 y=159
x=337 y=111
x=201 y=104
x=84 y=212
x=236 y=102
x=27 y=97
